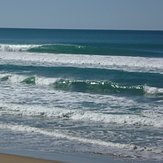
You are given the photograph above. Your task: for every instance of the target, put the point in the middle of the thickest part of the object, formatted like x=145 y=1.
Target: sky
x=82 y=14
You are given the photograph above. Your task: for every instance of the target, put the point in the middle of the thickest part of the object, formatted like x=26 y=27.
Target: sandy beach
x=5 y=158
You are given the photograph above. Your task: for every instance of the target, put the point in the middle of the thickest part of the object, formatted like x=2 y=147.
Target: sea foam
x=96 y=146
x=81 y=115
x=87 y=86
x=16 y=48
x=126 y=63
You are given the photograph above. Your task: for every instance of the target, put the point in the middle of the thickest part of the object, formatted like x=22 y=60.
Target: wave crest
x=103 y=87
x=123 y=63
x=86 y=86
x=16 y=48
x=43 y=48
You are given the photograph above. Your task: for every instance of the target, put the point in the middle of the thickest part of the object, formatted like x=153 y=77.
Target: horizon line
x=97 y=29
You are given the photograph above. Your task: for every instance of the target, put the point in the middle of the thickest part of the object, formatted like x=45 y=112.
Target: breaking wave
x=86 y=86
x=65 y=48
x=17 y=47
x=46 y=48
x=123 y=63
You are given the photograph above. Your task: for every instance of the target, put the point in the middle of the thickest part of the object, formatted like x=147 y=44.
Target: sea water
x=82 y=91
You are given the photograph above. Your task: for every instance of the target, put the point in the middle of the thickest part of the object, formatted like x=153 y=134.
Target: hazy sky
x=87 y=14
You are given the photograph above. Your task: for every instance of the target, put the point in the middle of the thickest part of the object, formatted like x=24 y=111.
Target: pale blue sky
x=82 y=14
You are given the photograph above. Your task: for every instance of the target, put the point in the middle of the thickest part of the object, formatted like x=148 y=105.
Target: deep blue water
x=132 y=43
x=93 y=91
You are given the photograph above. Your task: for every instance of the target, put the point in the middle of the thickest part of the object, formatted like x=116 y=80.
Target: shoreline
x=57 y=157
x=34 y=157
x=8 y=158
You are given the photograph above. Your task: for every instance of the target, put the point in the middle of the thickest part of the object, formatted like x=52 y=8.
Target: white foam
x=57 y=134
x=85 y=116
x=44 y=81
x=126 y=63
x=108 y=147
x=15 y=78
x=152 y=90
x=16 y=48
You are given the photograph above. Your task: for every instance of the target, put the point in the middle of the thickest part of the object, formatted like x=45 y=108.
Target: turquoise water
x=82 y=91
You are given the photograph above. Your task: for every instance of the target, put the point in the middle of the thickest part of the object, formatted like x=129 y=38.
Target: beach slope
x=5 y=158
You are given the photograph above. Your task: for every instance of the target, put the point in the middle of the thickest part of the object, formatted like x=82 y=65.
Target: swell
x=86 y=86
x=123 y=77
x=103 y=49
x=121 y=49
x=106 y=87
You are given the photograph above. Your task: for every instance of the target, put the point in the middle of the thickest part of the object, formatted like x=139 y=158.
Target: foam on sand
x=124 y=150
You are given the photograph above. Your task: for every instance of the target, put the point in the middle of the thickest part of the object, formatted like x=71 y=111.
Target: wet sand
x=5 y=158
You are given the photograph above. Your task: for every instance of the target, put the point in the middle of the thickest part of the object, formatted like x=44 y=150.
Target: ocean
x=96 y=92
